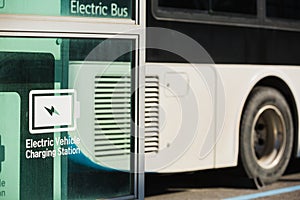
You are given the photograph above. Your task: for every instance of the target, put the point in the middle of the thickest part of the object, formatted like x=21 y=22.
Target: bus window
x=228 y=6
x=287 y=9
x=188 y=4
x=235 y=6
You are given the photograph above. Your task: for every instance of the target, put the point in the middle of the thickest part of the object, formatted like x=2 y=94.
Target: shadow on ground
x=156 y=184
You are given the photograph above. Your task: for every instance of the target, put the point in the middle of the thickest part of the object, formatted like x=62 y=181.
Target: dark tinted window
x=187 y=4
x=289 y=9
x=229 y=6
x=235 y=6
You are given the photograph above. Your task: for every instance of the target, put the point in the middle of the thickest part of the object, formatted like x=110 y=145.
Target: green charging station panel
x=66 y=118
x=68 y=104
x=9 y=145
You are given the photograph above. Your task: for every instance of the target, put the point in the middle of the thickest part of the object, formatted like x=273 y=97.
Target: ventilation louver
x=151 y=114
x=112 y=116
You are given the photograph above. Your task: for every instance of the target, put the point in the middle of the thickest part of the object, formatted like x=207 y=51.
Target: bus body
x=233 y=96
x=235 y=91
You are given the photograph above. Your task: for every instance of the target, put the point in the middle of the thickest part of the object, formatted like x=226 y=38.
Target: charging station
x=70 y=100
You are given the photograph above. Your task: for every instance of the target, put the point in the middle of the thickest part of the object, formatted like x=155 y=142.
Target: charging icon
x=53 y=110
x=2 y=154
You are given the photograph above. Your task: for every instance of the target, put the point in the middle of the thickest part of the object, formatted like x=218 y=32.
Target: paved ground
x=221 y=184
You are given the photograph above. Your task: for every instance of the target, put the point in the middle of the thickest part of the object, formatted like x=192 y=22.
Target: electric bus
x=222 y=86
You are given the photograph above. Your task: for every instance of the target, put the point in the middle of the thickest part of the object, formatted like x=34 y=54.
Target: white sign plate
x=52 y=111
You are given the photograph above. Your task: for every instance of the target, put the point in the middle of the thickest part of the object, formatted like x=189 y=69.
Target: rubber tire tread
x=258 y=98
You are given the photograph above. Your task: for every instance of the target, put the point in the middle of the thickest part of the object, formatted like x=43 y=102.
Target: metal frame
x=260 y=20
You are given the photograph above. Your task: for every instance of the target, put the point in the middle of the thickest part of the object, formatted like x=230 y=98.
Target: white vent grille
x=112 y=116
x=151 y=114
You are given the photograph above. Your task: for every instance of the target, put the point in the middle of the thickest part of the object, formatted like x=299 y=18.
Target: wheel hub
x=268 y=136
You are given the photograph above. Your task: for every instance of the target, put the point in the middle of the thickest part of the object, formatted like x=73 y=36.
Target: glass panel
x=68 y=109
x=235 y=6
x=229 y=6
x=188 y=4
x=84 y=8
x=289 y=9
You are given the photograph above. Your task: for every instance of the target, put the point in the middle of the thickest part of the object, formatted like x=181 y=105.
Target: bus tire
x=266 y=135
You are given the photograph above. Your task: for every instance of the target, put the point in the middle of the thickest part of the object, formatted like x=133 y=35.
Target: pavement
x=230 y=183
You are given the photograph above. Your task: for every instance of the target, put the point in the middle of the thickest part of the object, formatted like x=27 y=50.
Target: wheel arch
x=279 y=84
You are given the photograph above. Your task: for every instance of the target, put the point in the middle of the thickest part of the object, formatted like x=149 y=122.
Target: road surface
x=230 y=183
